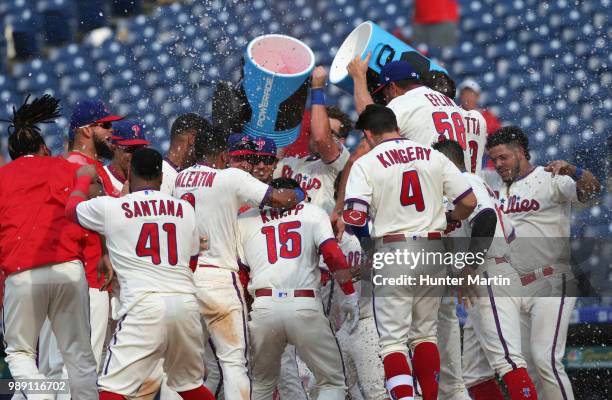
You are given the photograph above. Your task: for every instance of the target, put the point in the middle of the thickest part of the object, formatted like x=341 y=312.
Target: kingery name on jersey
x=147 y=208
x=403 y=156
x=274 y=213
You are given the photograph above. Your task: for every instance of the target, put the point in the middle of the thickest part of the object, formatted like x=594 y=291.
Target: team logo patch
x=354 y=217
x=136 y=129
x=526 y=392
x=260 y=143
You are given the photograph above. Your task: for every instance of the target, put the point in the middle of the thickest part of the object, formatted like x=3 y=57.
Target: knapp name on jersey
x=274 y=213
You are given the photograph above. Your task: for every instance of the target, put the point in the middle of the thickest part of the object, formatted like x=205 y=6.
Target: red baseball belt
x=533 y=276
x=501 y=260
x=400 y=237
x=296 y=293
x=207 y=266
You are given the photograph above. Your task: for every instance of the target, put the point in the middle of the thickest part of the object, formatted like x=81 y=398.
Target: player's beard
x=514 y=173
x=102 y=147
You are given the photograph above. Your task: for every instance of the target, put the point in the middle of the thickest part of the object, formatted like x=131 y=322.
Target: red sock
x=520 y=386
x=487 y=390
x=398 y=380
x=199 y=393
x=426 y=364
x=111 y=396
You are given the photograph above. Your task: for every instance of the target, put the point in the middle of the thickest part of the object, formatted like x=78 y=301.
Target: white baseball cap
x=470 y=84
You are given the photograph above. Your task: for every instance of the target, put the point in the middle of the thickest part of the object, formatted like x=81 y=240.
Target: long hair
x=24 y=133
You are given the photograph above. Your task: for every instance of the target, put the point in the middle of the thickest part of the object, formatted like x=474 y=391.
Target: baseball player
x=41 y=253
x=497 y=306
x=400 y=185
x=128 y=136
x=364 y=370
x=474 y=122
x=241 y=151
x=151 y=238
x=423 y=114
x=89 y=139
x=451 y=385
x=181 y=153
x=281 y=247
x=217 y=194
x=538 y=202
x=316 y=173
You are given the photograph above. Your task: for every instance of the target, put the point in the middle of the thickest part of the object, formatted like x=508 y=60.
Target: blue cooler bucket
x=384 y=47
x=276 y=72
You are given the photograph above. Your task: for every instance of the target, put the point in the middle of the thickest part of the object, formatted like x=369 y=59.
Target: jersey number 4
x=290 y=241
x=450 y=127
x=411 y=192
x=148 y=243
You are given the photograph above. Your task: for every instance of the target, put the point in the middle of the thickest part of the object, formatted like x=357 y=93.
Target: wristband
x=82 y=184
x=317 y=96
x=299 y=193
x=578 y=174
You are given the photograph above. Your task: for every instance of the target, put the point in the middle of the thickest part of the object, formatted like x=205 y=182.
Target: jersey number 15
x=290 y=240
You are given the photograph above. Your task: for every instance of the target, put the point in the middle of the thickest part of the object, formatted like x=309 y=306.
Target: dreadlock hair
x=24 y=134
x=509 y=135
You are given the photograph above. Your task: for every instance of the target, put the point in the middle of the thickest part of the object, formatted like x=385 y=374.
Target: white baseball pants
x=406 y=312
x=58 y=292
x=451 y=386
x=364 y=366
x=224 y=313
x=173 y=334
x=280 y=319
x=544 y=333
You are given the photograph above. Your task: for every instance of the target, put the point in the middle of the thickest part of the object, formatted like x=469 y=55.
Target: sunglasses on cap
x=250 y=158
x=103 y=125
x=130 y=149
x=267 y=160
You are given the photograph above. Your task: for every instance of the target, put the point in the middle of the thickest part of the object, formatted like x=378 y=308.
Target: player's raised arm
x=358 y=69
x=321 y=137
x=363 y=148
x=85 y=175
x=587 y=185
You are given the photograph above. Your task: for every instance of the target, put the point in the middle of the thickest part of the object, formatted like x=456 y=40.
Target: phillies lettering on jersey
x=539 y=206
x=306 y=183
x=404 y=194
x=514 y=204
x=314 y=176
x=150 y=237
